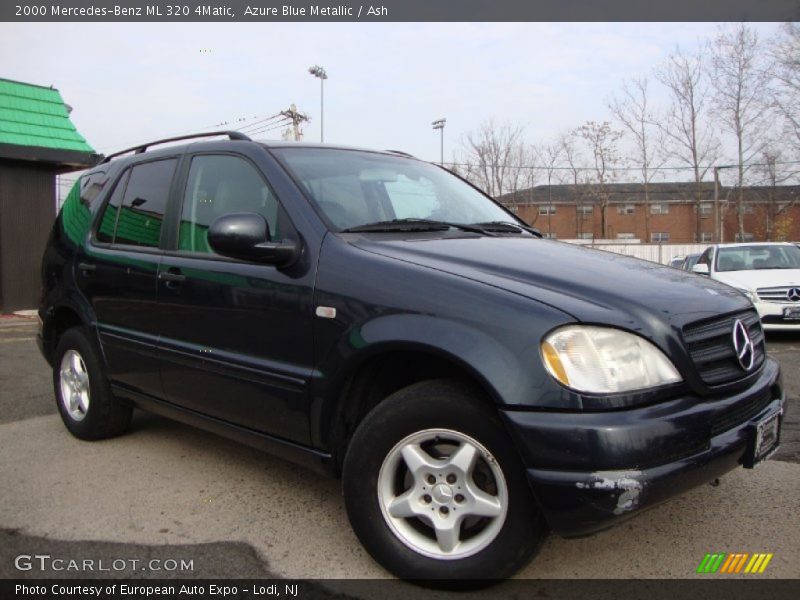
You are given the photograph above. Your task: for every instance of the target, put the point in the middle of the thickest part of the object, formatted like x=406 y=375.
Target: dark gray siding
x=27 y=211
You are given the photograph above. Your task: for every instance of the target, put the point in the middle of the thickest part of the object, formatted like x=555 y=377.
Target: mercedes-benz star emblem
x=743 y=345
x=793 y=294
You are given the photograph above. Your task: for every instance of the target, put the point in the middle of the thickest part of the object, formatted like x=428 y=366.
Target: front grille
x=741 y=413
x=710 y=344
x=777 y=294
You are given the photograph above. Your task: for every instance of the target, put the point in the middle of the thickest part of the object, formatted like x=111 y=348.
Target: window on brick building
x=706 y=236
x=744 y=237
x=585 y=209
x=549 y=236
x=626 y=235
x=626 y=209
x=706 y=209
x=585 y=235
x=659 y=236
x=659 y=208
x=547 y=209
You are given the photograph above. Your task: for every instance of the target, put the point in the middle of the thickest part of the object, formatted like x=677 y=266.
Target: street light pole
x=439 y=124
x=319 y=72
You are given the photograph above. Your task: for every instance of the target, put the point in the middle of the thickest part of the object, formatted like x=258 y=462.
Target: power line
x=192 y=130
x=285 y=122
x=611 y=169
x=244 y=128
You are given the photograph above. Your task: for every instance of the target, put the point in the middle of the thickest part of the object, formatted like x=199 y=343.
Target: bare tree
x=687 y=126
x=632 y=108
x=601 y=142
x=742 y=98
x=491 y=158
x=774 y=172
x=785 y=53
x=571 y=153
x=549 y=156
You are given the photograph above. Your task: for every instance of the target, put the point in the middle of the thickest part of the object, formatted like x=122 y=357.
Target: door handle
x=172 y=276
x=86 y=268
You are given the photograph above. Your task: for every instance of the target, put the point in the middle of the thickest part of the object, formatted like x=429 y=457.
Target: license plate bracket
x=791 y=313
x=765 y=437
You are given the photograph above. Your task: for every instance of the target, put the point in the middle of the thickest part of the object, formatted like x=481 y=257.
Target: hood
x=760 y=278
x=592 y=286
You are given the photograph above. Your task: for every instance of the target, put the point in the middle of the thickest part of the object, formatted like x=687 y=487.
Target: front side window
x=135 y=211
x=219 y=185
x=705 y=258
x=355 y=188
x=659 y=236
x=659 y=209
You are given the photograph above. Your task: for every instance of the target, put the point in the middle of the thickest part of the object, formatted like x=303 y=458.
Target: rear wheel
x=435 y=490
x=88 y=408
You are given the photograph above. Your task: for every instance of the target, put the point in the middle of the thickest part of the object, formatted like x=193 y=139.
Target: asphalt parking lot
x=167 y=491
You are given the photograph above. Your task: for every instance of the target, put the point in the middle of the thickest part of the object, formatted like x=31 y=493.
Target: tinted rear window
x=137 y=220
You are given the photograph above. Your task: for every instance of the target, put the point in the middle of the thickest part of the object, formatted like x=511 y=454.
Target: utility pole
x=439 y=124
x=719 y=228
x=297 y=118
x=717 y=223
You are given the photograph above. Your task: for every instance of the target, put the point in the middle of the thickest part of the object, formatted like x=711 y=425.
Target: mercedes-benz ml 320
x=378 y=318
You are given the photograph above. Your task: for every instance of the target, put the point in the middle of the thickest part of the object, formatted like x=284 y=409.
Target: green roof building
x=37 y=142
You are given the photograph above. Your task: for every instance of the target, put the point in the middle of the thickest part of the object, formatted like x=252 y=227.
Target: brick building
x=574 y=212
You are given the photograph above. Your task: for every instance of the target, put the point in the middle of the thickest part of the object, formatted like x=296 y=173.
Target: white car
x=768 y=273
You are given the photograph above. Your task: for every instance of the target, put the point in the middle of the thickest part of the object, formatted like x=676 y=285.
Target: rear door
x=235 y=336
x=116 y=271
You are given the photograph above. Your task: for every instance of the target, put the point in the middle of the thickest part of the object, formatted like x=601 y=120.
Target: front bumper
x=592 y=470
x=771 y=314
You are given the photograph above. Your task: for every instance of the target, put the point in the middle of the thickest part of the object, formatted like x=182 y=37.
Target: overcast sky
x=129 y=83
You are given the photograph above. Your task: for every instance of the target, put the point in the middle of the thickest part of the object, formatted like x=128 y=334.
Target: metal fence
x=660 y=253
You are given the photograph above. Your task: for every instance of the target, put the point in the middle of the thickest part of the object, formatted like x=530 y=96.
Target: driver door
x=235 y=336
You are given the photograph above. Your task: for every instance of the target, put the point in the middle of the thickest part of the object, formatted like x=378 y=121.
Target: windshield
x=749 y=258
x=355 y=188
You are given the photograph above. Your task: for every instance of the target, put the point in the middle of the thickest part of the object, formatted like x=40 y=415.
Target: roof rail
x=234 y=135
x=401 y=153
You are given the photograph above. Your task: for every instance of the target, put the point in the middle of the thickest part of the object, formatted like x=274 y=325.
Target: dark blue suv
x=378 y=318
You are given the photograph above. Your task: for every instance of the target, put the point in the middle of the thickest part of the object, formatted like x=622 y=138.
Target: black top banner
x=399 y=10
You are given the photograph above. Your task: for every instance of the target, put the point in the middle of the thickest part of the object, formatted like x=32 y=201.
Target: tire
x=83 y=395
x=405 y=459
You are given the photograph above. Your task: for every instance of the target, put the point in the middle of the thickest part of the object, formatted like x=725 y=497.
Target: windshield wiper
x=414 y=225
x=507 y=226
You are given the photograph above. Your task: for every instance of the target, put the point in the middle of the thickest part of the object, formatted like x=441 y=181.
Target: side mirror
x=700 y=269
x=246 y=236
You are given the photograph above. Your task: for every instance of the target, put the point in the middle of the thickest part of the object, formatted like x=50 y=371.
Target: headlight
x=751 y=295
x=602 y=360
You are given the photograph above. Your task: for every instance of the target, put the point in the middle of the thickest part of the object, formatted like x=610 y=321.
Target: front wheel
x=435 y=490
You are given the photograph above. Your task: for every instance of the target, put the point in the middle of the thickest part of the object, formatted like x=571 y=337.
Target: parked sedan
x=676 y=261
x=767 y=273
x=689 y=262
